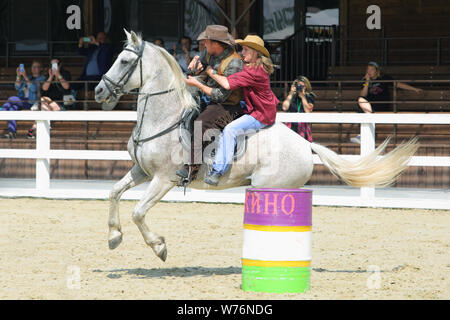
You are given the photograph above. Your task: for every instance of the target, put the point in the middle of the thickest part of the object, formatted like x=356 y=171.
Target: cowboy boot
x=213 y=178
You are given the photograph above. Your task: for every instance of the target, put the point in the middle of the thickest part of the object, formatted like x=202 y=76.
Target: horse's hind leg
x=155 y=192
x=133 y=178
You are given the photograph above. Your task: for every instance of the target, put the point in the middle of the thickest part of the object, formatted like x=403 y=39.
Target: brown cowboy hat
x=256 y=43
x=217 y=33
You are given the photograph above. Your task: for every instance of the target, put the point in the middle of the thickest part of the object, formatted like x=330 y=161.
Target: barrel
x=276 y=251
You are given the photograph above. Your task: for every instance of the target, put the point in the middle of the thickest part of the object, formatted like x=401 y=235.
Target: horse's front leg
x=155 y=192
x=133 y=178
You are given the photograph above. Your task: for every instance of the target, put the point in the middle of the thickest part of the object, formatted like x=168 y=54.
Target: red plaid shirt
x=260 y=100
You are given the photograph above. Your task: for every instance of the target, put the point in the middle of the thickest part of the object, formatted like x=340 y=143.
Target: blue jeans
x=227 y=142
x=15 y=104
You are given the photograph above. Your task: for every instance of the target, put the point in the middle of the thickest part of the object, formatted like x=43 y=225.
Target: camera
x=299 y=87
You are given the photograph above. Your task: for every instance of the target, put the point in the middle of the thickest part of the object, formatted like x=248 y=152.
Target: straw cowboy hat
x=256 y=43
x=217 y=33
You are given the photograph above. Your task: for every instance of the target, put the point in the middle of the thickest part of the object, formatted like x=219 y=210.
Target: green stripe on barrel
x=276 y=279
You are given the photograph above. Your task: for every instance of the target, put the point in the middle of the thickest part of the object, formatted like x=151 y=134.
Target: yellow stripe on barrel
x=261 y=263
x=278 y=228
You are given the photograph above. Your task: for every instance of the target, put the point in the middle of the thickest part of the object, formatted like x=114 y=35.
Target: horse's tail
x=368 y=170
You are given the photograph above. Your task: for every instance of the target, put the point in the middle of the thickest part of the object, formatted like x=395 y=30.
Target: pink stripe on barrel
x=278 y=207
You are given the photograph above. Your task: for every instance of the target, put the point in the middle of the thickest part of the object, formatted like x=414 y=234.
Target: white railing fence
x=43 y=153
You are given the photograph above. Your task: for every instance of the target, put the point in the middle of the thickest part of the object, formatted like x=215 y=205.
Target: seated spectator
x=375 y=92
x=159 y=42
x=300 y=99
x=201 y=46
x=99 y=54
x=54 y=91
x=27 y=94
x=184 y=54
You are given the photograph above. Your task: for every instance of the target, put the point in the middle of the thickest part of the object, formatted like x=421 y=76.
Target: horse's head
x=125 y=74
x=129 y=72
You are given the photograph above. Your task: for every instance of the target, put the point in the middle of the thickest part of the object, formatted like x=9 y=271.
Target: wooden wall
x=400 y=18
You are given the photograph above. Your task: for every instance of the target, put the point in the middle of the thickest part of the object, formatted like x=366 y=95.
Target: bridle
x=116 y=88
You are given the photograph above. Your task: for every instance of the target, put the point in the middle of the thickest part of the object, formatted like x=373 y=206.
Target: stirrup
x=184 y=182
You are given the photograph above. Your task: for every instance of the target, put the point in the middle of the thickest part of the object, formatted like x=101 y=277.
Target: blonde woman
x=300 y=99
x=261 y=103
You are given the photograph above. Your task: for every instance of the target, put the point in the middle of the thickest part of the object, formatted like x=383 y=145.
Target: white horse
x=275 y=157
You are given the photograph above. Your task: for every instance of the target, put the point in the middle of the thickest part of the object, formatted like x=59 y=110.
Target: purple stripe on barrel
x=278 y=207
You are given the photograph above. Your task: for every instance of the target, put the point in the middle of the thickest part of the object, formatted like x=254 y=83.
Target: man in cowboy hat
x=224 y=104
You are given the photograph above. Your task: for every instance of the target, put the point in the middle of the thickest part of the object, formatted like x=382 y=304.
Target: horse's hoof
x=114 y=240
x=163 y=254
x=160 y=249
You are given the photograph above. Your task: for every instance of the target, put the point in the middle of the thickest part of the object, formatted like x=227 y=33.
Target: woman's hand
x=21 y=73
x=25 y=76
x=302 y=93
x=418 y=91
x=293 y=88
x=51 y=73
x=191 y=81
x=57 y=72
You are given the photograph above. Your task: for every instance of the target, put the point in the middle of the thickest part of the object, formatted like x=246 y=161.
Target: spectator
x=27 y=94
x=375 y=93
x=159 y=42
x=300 y=99
x=54 y=91
x=99 y=54
x=201 y=46
x=185 y=54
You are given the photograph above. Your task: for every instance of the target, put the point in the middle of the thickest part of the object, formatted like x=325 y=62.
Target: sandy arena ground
x=44 y=242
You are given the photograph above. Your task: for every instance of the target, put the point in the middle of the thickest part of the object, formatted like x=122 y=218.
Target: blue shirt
x=181 y=59
x=92 y=66
x=33 y=88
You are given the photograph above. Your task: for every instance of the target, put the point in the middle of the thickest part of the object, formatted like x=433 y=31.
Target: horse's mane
x=178 y=77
